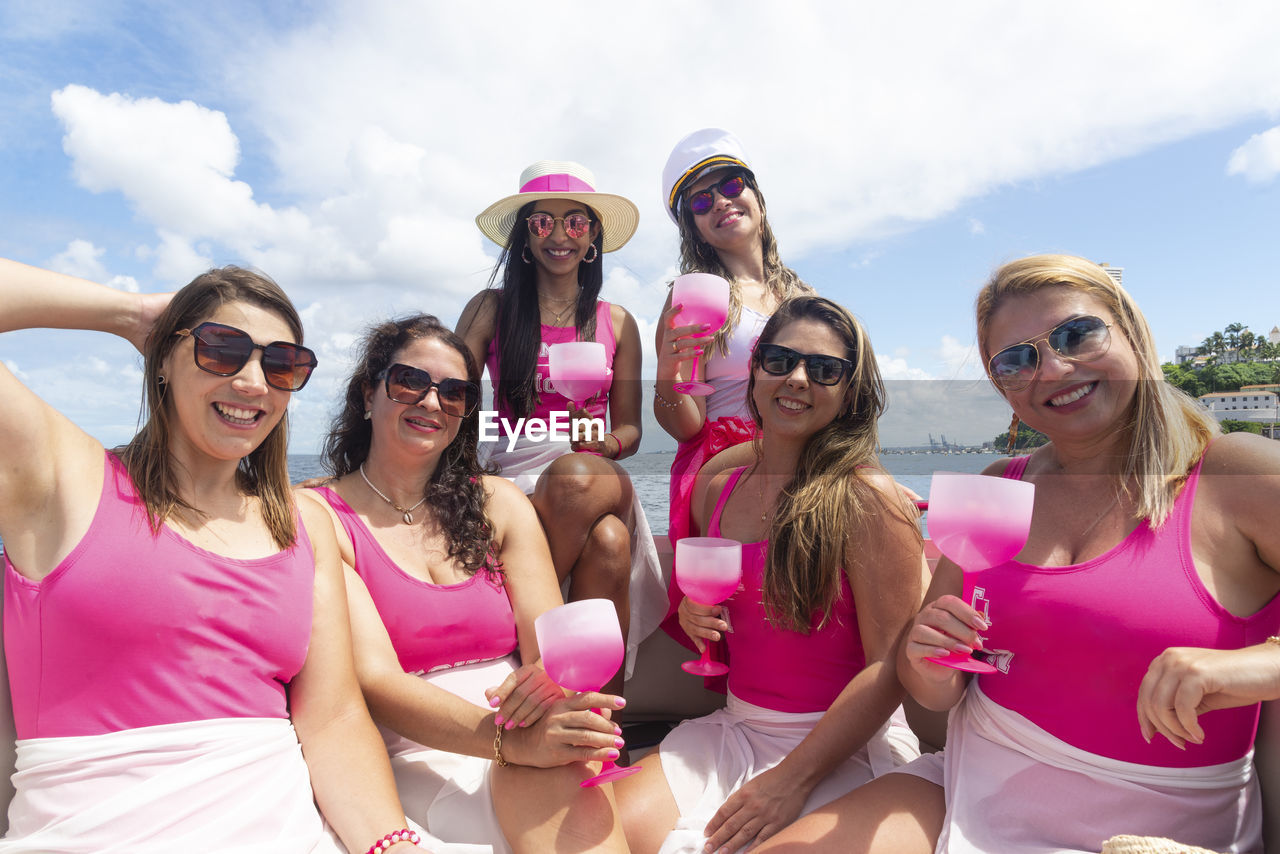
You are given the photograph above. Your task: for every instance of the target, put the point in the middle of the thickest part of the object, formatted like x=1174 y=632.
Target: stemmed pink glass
x=708 y=570
x=582 y=648
x=978 y=522
x=703 y=298
x=577 y=370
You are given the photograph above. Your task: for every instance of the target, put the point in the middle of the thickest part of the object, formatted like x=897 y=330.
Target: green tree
x=1233 y=426
x=1027 y=438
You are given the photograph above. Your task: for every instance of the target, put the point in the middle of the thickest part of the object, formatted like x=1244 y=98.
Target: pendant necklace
x=405 y=514
x=559 y=317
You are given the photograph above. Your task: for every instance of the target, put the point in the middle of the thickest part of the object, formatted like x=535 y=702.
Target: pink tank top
x=1082 y=636
x=728 y=372
x=134 y=629
x=550 y=400
x=432 y=626
x=780 y=669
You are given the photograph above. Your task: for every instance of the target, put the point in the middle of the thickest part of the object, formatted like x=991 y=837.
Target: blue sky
x=905 y=150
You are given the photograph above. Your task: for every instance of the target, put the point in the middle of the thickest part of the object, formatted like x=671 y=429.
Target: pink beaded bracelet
x=402 y=835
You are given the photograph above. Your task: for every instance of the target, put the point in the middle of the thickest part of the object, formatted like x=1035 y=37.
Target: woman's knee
x=577 y=483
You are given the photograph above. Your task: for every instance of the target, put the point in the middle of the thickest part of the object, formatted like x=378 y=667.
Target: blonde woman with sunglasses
x=1136 y=630
x=554 y=233
x=831 y=574
x=175 y=627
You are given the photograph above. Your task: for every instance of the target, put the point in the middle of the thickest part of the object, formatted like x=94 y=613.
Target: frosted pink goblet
x=582 y=647
x=978 y=522
x=703 y=298
x=708 y=570
x=577 y=370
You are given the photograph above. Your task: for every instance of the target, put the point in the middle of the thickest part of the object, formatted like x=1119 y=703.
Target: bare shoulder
x=480 y=313
x=313 y=509
x=1242 y=454
x=502 y=496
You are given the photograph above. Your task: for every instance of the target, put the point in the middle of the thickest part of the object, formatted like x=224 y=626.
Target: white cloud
x=81 y=258
x=976 y=226
x=1258 y=160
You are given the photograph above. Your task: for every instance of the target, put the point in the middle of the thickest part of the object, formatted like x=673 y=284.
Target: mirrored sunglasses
x=781 y=361
x=409 y=385
x=224 y=351
x=542 y=224
x=730 y=188
x=1080 y=339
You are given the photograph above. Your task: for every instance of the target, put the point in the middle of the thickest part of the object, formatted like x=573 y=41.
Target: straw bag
x=1149 y=845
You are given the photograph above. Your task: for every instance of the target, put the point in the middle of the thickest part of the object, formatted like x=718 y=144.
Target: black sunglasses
x=410 y=385
x=730 y=188
x=224 y=351
x=781 y=361
x=1080 y=339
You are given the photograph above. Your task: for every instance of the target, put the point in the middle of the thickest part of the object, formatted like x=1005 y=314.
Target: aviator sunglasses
x=542 y=224
x=781 y=361
x=224 y=351
x=730 y=188
x=410 y=385
x=1080 y=339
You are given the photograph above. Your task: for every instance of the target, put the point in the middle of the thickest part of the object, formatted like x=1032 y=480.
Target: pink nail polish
x=619 y=703
x=495 y=702
x=619 y=743
x=613 y=754
x=499 y=719
x=510 y=725
x=617 y=730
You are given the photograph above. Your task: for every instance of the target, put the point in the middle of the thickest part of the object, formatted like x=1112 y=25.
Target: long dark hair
x=455 y=494
x=518 y=320
x=264 y=473
x=827 y=503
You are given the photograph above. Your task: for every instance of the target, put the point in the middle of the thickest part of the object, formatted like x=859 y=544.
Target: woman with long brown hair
x=175 y=626
x=831 y=572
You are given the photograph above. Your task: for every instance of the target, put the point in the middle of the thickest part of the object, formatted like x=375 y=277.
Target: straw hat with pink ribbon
x=562 y=179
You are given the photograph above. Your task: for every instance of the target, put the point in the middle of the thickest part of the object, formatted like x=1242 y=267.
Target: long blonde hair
x=828 y=501
x=265 y=471
x=698 y=256
x=1168 y=430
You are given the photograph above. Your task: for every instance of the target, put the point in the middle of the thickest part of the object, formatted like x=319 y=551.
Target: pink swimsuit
x=133 y=629
x=1082 y=637
x=432 y=626
x=779 y=669
x=550 y=400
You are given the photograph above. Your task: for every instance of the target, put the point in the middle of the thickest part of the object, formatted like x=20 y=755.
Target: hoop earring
x=160 y=380
x=525 y=256
x=592 y=255
x=1013 y=433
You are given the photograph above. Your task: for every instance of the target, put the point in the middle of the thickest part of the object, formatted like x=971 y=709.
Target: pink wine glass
x=577 y=370
x=708 y=570
x=978 y=521
x=582 y=648
x=703 y=298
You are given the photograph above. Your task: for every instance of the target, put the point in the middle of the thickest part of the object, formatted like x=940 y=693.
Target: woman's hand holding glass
x=945 y=625
x=569 y=731
x=700 y=622
x=680 y=345
x=590 y=444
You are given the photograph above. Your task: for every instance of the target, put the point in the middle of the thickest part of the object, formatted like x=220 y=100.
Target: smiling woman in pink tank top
x=448 y=569
x=831 y=572
x=1135 y=632
x=175 y=627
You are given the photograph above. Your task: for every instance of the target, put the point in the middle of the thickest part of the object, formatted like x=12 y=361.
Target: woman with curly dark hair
x=447 y=570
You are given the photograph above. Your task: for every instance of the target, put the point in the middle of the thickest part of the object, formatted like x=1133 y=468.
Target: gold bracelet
x=1275 y=639
x=662 y=401
x=497 y=747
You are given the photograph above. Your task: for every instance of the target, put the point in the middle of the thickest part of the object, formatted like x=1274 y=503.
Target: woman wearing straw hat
x=554 y=233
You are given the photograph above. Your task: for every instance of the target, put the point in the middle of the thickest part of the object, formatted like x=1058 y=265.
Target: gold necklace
x=406 y=514
x=559 y=318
